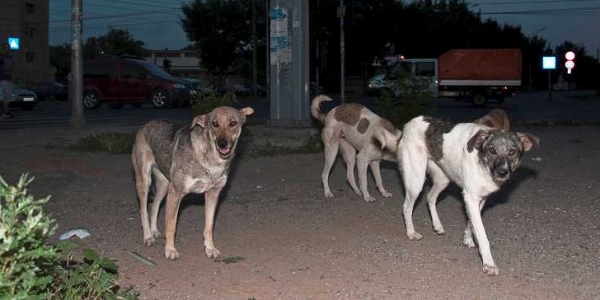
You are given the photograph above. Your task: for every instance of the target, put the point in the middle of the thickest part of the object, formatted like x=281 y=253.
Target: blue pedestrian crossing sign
x=13 y=43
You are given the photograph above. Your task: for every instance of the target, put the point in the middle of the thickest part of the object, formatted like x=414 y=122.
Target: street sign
x=13 y=43
x=549 y=62
x=569 y=64
x=570 y=55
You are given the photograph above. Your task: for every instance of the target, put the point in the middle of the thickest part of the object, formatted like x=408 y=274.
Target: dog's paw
x=328 y=195
x=414 y=236
x=468 y=241
x=155 y=234
x=212 y=252
x=386 y=194
x=149 y=241
x=369 y=199
x=491 y=270
x=357 y=192
x=171 y=253
x=439 y=230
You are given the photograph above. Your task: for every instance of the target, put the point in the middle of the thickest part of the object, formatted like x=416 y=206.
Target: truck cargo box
x=480 y=67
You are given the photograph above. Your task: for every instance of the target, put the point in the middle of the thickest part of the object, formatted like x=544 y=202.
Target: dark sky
x=156 y=22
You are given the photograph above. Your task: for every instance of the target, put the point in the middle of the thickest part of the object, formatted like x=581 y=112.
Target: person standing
x=6 y=64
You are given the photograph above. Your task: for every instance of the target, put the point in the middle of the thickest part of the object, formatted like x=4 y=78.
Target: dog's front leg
x=173 y=201
x=473 y=210
x=468 y=235
x=378 y=182
x=362 y=164
x=211 y=199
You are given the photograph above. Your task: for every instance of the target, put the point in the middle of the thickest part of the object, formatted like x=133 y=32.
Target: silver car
x=21 y=98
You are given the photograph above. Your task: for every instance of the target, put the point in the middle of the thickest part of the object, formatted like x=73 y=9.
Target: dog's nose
x=502 y=173
x=222 y=143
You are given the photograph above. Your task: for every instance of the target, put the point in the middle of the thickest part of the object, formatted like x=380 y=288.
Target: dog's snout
x=502 y=173
x=222 y=143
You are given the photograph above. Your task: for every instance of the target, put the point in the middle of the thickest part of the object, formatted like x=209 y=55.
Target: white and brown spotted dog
x=190 y=159
x=478 y=158
x=353 y=128
x=496 y=118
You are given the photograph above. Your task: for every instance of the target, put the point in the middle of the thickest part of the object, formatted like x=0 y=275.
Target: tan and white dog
x=353 y=128
x=478 y=158
x=183 y=160
x=496 y=118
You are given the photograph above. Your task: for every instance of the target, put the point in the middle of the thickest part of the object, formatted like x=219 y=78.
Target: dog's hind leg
x=440 y=182
x=412 y=159
x=161 y=184
x=349 y=154
x=142 y=164
x=474 y=205
x=331 y=141
x=377 y=176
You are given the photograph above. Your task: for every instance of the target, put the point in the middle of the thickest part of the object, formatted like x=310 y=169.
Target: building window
x=30 y=57
x=29 y=32
x=29 y=7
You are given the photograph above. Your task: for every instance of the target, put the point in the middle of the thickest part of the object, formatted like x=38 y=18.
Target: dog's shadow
x=501 y=197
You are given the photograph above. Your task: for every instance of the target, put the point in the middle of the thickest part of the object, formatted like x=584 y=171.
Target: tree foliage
x=221 y=30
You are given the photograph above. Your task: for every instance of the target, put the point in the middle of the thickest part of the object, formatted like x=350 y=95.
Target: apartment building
x=27 y=20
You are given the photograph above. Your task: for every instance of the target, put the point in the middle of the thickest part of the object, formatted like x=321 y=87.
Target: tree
x=115 y=42
x=60 y=58
x=221 y=31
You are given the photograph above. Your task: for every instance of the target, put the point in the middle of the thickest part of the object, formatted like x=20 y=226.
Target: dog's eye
x=512 y=152
x=232 y=123
x=492 y=150
x=215 y=123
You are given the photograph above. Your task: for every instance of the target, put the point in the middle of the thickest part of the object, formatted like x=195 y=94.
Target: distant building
x=27 y=20
x=183 y=63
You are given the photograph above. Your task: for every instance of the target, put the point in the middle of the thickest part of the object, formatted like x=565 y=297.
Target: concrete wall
x=27 y=20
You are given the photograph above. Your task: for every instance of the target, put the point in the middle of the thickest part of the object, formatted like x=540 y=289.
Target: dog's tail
x=315 y=107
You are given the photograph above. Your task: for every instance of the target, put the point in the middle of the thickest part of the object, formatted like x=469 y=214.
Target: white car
x=21 y=98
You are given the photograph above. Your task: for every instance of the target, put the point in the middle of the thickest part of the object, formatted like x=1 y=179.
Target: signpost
x=549 y=63
x=13 y=43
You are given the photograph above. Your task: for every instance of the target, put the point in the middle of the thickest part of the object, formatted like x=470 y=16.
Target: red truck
x=474 y=74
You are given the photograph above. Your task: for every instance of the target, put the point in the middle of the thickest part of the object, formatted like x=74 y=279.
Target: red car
x=118 y=81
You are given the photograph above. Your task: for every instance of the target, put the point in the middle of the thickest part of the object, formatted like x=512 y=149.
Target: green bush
x=408 y=99
x=113 y=142
x=33 y=269
x=206 y=103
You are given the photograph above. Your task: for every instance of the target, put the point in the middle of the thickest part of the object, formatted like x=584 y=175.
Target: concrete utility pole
x=254 y=51
x=289 y=63
x=341 y=14
x=76 y=76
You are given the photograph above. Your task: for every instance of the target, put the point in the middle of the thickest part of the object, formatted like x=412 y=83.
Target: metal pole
x=76 y=76
x=549 y=86
x=342 y=52
x=254 y=51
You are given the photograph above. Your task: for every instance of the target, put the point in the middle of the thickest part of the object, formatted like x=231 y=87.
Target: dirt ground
x=295 y=244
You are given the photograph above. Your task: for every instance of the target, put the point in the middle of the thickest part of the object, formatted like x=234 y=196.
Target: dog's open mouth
x=224 y=152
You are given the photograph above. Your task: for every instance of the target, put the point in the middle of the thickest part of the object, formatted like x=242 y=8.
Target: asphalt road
x=526 y=106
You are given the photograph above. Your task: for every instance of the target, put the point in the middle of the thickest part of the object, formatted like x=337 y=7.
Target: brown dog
x=496 y=118
x=353 y=128
x=188 y=159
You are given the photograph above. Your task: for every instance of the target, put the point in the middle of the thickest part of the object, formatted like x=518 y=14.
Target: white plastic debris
x=536 y=158
x=80 y=233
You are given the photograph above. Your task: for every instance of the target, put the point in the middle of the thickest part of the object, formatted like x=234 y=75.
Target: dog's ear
x=199 y=120
x=246 y=111
x=528 y=140
x=476 y=142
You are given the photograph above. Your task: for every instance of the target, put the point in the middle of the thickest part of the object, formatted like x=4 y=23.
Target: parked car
x=118 y=80
x=377 y=84
x=200 y=86
x=47 y=91
x=247 y=90
x=21 y=98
